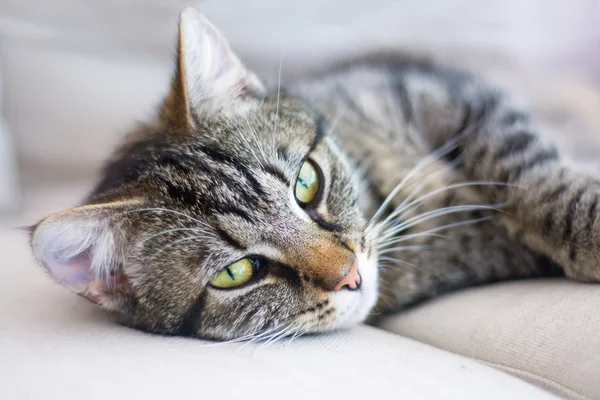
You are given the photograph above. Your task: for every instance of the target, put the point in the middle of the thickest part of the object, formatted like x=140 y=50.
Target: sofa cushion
x=545 y=331
x=54 y=345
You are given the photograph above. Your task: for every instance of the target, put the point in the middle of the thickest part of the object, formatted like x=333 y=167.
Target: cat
x=243 y=212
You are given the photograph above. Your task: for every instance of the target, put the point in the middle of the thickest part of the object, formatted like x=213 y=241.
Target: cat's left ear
x=208 y=76
x=85 y=249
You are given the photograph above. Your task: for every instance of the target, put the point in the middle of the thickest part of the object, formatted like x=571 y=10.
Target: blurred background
x=77 y=74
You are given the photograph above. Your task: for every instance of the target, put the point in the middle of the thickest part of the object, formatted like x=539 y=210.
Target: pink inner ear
x=75 y=273
x=72 y=271
x=84 y=251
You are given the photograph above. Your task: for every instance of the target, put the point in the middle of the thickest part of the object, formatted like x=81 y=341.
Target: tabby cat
x=245 y=212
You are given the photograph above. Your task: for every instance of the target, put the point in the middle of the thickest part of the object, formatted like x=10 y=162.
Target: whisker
x=425 y=161
x=172 y=230
x=430 y=232
x=278 y=93
x=336 y=119
x=389 y=99
x=178 y=241
x=395 y=239
x=403 y=207
x=284 y=333
x=425 y=179
x=418 y=219
x=230 y=341
x=263 y=335
x=397 y=261
x=276 y=336
x=258 y=146
x=251 y=147
x=403 y=248
x=299 y=332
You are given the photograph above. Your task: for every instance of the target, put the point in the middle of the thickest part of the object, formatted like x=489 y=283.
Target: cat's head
x=233 y=215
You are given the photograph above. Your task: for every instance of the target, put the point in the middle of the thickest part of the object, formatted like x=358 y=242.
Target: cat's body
x=379 y=106
x=477 y=196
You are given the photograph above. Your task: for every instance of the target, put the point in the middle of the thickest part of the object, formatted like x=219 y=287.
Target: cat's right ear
x=208 y=77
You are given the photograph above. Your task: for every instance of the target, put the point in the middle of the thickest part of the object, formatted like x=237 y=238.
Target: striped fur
x=433 y=181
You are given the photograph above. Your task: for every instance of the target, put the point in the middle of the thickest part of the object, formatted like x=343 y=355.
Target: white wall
x=9 y=193
x=79 y=72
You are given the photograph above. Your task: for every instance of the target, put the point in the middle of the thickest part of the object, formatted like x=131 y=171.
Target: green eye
x=307 y=183
x=234 y=275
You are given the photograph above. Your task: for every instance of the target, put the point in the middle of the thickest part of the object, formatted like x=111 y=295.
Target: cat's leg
x=548 y=205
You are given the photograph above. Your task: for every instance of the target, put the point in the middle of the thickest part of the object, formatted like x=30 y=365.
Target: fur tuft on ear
x=84 y=250
x=209 y=76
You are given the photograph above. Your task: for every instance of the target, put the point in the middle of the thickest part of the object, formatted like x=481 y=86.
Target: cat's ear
x=84 y=249
x=208 y=76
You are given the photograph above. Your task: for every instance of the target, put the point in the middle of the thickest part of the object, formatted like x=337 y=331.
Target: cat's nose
x=351 y=281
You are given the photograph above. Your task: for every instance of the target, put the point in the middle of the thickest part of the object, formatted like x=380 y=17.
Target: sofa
x=77 y=74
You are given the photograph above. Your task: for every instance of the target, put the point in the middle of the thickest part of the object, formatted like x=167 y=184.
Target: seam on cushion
x=526 y=374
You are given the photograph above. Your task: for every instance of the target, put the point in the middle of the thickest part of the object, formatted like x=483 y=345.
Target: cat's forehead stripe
x=229 y=239
x=319 y=133
x=276 y=172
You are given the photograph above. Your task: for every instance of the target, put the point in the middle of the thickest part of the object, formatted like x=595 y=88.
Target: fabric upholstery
x=543 y=331
x=54 y=345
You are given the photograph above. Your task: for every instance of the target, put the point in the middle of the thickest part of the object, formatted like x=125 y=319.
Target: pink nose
x=350 y=281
